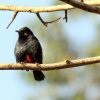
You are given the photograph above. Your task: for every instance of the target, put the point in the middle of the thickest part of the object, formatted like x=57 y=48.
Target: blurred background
x=78 y=38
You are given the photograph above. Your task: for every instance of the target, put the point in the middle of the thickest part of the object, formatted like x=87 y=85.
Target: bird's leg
x=23 y=63
x=38 y=66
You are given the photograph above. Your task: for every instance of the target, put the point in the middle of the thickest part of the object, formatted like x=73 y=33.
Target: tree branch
x=50 y=8
x=53 y=66
x=83 y=6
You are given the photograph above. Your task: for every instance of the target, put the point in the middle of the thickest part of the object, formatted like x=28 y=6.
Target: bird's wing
x=35 y=51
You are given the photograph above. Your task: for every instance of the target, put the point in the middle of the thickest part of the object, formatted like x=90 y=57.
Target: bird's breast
x=28 y=58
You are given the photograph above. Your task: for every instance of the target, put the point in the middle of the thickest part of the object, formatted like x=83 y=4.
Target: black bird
x=29 y=50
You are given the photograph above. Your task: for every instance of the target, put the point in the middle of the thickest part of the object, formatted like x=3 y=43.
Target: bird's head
x=24 y=32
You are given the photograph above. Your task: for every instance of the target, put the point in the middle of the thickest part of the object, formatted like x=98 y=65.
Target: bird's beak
x=17 y=31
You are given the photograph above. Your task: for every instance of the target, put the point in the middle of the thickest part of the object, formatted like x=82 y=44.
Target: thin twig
x=66 y=16
x=53 y=66
x=14 y=16
x=43 y=22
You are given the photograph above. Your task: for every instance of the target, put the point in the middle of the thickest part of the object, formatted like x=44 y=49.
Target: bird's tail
x=38 y=75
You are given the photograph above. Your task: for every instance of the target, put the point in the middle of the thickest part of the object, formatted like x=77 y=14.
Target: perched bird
x=29 y=50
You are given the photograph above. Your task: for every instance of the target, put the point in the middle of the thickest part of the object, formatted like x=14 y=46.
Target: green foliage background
x=66 y=84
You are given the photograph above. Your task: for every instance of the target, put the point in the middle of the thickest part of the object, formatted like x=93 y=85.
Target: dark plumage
x=29 y=50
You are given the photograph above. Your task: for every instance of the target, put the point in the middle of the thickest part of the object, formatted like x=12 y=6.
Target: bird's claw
x=23 y=65
x=38 y=66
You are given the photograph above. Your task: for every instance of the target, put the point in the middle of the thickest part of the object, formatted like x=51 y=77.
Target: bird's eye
x=25 y=34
